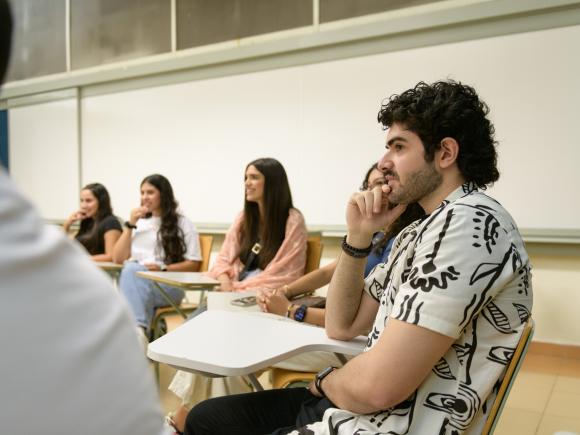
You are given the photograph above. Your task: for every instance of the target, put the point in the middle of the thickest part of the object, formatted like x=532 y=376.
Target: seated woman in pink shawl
x=266 y=244
x=264 y=248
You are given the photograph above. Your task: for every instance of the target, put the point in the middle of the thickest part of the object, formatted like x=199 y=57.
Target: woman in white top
x=156 y=238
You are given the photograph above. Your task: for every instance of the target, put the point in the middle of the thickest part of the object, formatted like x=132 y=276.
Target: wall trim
x=553 y=349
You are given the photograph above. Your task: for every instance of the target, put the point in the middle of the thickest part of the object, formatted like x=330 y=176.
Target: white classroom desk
x=184 y=280
x=227 y=343
x=109 y=266
x=112 y=269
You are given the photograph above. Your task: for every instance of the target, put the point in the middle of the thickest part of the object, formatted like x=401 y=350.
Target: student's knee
x=129 y=281
x=128 y=271
x=202 y=418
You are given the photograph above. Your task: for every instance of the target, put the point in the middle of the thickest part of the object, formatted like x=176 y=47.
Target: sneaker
x=169 y=426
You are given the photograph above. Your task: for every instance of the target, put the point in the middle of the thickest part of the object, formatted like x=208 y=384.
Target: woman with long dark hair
x=264 y=247
x=266 y=244
x=99 y=229
x=157 y=238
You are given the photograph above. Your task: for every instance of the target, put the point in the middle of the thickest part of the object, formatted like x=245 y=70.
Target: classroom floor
x=544 y=400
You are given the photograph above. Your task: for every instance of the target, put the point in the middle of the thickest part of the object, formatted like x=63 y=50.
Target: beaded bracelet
x=355 y=252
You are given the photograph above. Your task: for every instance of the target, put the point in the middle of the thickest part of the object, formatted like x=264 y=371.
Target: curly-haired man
x=444 y=313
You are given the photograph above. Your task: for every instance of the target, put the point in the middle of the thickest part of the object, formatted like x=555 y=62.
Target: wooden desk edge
x=178 y=284
x=109 y=266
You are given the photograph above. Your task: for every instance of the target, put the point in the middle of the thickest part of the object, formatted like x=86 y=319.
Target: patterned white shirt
x=463 y=272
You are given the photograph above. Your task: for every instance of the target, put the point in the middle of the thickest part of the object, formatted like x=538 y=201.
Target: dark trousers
x=275 y=412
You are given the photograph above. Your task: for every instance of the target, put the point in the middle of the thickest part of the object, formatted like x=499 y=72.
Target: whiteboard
x=43 y=151
x=319 y=120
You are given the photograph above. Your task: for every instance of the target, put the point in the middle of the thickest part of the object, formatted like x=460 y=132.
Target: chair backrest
x=282 y=378
x=313 y=253
x=205 y=244
x=509 y=378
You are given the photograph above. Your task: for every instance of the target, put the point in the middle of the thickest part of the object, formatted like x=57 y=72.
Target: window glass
x=104 y=31
x=332 y=10
x=38 y=38
x=202 y=22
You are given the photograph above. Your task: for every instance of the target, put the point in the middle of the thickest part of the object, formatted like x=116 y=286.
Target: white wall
x=202 y=134
x=43 y=155
x=320 y=121
x=556 y=281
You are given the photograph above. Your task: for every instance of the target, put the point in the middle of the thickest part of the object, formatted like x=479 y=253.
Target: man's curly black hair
x=448 y=109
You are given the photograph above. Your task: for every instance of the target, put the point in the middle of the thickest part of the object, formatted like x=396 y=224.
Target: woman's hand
x=225 y=283
x=136 y=214
x=153 y=267
x=74 y=217
x=273 y=301
x=261 y=295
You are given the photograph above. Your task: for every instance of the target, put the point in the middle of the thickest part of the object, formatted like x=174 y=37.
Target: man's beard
x=420 y=184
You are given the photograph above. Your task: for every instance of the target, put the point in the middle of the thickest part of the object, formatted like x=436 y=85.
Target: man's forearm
x=348 y=389
x=344 y=297
x=390 y=371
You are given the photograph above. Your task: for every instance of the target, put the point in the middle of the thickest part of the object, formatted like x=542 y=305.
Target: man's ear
x=448 y=152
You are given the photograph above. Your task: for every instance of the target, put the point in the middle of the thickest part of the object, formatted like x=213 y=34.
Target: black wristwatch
x=300 y=313
x=320 y=376
x=130 y=225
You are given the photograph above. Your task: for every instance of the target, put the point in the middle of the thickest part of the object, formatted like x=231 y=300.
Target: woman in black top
x=99 y=228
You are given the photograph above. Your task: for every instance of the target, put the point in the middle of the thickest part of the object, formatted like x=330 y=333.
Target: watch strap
x=130 y=225
x=320 y=376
